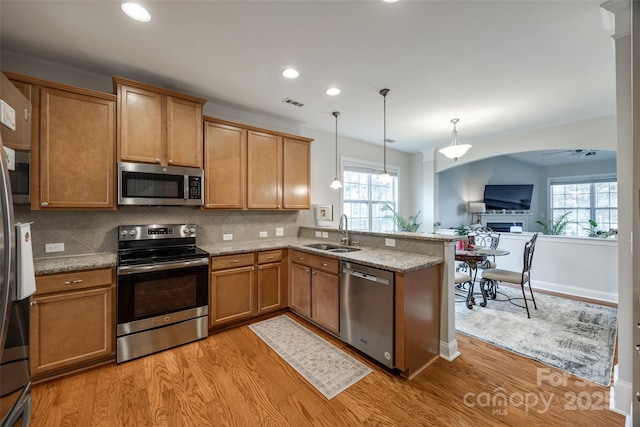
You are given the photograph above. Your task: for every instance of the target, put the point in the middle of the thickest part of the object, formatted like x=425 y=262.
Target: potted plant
x=554 y=227
x=462 y=230
x=409 y=224
x=594 y=232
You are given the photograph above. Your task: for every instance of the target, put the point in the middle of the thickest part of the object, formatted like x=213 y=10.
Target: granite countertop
x=380 y=258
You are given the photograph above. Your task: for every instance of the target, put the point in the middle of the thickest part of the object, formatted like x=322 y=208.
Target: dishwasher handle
x=365 y=276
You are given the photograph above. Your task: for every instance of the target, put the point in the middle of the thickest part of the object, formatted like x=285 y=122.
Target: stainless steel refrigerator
x=16 y=284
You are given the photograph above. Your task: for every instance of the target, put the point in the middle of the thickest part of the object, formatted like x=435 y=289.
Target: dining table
x=472 y=258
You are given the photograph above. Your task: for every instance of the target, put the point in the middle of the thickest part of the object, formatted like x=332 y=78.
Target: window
x=593 y=198
x=364 y=194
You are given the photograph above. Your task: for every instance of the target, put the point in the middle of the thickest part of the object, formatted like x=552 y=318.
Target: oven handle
x=133 y=269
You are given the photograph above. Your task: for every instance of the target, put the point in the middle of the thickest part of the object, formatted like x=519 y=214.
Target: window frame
x=353 y=164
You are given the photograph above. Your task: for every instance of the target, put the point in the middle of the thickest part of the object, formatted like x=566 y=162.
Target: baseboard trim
x=449 y=350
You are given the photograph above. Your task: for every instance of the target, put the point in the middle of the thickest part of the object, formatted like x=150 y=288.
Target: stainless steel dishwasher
x=367 y=311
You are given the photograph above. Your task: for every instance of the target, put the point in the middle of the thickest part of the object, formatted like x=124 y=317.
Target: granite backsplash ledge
x=91 y=232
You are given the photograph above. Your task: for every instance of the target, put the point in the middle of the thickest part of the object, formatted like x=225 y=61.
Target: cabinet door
x=232 y=295
x=70 y=327
x=184 y=133
x=296 y=190
x=141 y=125
x=77 y=150
x=271 y=295
x=300 y=292
x=225 y=166
x=325 y=300
x=19 y=98
x=264 y=171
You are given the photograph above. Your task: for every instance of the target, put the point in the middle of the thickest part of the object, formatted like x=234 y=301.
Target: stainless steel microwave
x=144 y=184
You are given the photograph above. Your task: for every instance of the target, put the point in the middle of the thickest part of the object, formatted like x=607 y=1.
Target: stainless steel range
x=162 y=289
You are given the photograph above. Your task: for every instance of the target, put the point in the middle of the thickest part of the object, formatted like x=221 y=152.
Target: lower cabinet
x=272 y=279
x=232 y=289
x=72 y=320
x=315 y=289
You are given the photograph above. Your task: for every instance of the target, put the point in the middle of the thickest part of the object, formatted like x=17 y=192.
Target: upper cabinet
x=17 y=97
x=158 y=126
x=253 y=168
x=73 y=145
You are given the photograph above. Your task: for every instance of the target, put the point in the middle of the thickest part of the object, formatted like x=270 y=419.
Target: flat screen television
x=509 y=197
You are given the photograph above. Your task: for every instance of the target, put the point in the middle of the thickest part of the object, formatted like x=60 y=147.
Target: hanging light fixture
x=384 y=177
x=455 y=150
x=336 y=184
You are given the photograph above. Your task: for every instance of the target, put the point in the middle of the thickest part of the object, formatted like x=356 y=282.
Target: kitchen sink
x=331 y=248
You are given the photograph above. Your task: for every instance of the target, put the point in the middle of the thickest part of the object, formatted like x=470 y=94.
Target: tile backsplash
x=87 y=232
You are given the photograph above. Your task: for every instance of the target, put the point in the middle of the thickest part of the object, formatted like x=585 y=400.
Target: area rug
x=570 y=335
x=327 y=368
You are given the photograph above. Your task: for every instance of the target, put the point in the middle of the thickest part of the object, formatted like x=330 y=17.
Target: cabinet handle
x=73 y=282
x=33 y=302
x=300 y=258
x=270 y=257
x=234 y=261
x=324 y=264
x=306 y=270
x=260 y=268
x=44 y=204
x=157 y=161
x=170 y=162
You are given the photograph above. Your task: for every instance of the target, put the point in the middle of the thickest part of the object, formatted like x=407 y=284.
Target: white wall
x=585 y=267
x=324 y=165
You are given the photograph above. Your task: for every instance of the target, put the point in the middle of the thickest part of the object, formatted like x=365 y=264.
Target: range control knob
x=132 y=232
x=192 y=230
x=124 y=232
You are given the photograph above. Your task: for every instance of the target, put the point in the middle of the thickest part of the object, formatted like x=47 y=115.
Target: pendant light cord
x=384 y=93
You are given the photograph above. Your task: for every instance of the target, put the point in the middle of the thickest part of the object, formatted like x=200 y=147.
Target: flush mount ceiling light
x=290 y=73
x=384 y=177
x=332 y=91
x=135 y=11
x=336 y=184
x=455 y=150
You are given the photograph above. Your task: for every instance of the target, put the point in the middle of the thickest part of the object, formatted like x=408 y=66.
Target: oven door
x=155 y=295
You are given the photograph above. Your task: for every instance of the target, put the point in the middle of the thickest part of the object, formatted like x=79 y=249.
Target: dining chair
x=486 y=237
x=491 y=277
x=461 y=280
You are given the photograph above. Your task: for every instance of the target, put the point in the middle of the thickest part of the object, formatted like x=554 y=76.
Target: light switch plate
x=318 y=234
x=227 y=236
x=325 y=234
x=264 y=234
x=390 y=242
x=279 y=231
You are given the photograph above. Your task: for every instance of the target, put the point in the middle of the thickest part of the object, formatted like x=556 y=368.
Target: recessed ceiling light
x=390 y=1
x=290 y=73
x=332 y=91
x=135 y=11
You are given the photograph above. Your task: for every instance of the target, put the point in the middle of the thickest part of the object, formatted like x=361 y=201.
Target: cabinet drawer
x=231 y=261
x=269 y=256
x=314 y=261
x=71 y=281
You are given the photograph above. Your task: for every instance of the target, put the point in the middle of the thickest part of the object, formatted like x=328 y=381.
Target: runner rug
x=574 y=336
x=327 y=368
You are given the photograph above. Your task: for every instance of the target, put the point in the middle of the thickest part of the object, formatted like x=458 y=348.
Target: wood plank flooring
x=233 y=378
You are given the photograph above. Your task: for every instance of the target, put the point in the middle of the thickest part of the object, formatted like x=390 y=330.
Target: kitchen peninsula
x=421 y=264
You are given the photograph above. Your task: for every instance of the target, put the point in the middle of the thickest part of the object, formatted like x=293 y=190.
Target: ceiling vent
x=292 y=102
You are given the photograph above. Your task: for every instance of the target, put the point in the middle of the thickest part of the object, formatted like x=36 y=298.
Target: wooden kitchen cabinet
x=264 y=170
x=232 y=289
x=296 y=184
x=18 y=96
x=272 y=290
x=76 y=150
x=158 y=126
x=225 y=166
x=72 y=321
x=315 y=289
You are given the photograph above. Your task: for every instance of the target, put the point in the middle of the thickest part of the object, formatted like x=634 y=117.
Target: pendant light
x=455 y=150
x=336 y=184
x=384 y=177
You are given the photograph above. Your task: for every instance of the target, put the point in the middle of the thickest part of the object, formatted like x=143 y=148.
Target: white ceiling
x=502 y=67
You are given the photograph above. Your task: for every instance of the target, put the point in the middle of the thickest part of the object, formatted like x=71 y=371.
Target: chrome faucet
x=343 y=226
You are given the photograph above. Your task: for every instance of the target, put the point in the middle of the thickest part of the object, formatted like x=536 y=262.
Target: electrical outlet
x=318 y=234
x=263 y=234
x=54 y=247
x=279 y=231
x=325 y=234
x=227 y=236
x=390 y=242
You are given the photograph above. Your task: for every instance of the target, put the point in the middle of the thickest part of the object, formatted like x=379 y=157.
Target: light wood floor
x=233 y=378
